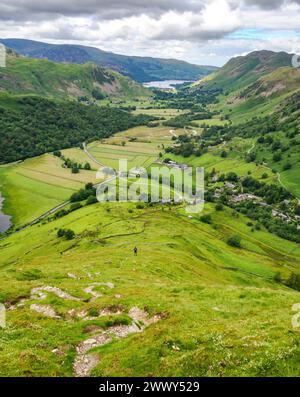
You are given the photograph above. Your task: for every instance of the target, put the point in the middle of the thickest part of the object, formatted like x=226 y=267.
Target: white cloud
x=199 y=31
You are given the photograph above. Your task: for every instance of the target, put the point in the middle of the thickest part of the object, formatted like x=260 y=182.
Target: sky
x=206 y=32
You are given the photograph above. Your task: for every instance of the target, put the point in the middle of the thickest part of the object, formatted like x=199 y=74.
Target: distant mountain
x=141 y=69
x=253 y=84
x=242 y=71
x=66 y=81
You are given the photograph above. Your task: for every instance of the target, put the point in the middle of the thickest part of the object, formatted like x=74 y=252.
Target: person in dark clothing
x=135 y=250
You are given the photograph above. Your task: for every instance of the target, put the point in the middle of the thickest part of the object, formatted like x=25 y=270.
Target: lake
x=5 y=222
x=165 y=84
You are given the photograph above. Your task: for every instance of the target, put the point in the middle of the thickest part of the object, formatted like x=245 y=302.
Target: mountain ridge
x=141 y=69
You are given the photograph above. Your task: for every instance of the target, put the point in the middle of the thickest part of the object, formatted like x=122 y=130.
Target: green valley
x=147 y=288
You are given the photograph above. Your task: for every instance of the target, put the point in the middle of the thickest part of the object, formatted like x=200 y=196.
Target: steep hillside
x=241 y=71
x=213 y=310
x=67 y=81
x=142 y=69
x=253 y=84
x=282 y=80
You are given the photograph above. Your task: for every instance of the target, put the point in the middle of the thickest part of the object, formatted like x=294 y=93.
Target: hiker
x=135 y=250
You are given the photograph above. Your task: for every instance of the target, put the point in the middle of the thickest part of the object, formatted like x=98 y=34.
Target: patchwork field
x=151 y=134
x=137 y=155
x=37 y=185
x=140 y=146
x=165 y=113
x=79 y=156
x=186 y=305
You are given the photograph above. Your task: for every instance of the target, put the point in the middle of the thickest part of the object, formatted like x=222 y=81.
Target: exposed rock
x=38 y=293
x=85 y=362
x=46 y=310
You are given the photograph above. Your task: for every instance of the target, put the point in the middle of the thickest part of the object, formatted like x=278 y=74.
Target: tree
x=87 y=166
x=294 y=281
x=277 y=277
x=60 y=233
x=91 y=200
x=57 y=153
x=206 y=219
x=219 y=207
x=287 y=166
x=89 y=186
x=75 y=206
x=277 y=157
x=224 y=154
x=234 y=241
x=69 y=234
x=232 y=177
x=75 y=170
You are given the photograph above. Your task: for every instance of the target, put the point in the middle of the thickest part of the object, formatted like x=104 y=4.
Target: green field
x=142 y=152
x=235 y=162
x=291 y=180
x=37 y=185
x=137 y=155
x=218 y=311
x=210 y=122
x=165 y=113
x=160 y=133
x=208 y=294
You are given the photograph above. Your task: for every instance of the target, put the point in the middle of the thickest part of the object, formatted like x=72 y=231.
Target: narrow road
x=280 y=182
x=252 y=147
x=90 y=155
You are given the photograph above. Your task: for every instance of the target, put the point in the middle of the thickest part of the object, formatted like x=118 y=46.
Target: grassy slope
x=66 y=81
x=235 y=162
x=263 y=96
x=216 y=321
x=257 y=89
x=289 y=178
x=253 y=84
x=242 y=71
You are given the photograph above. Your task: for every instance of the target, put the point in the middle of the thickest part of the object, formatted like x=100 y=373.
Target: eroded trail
x=41 y=293
x=85 y=361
